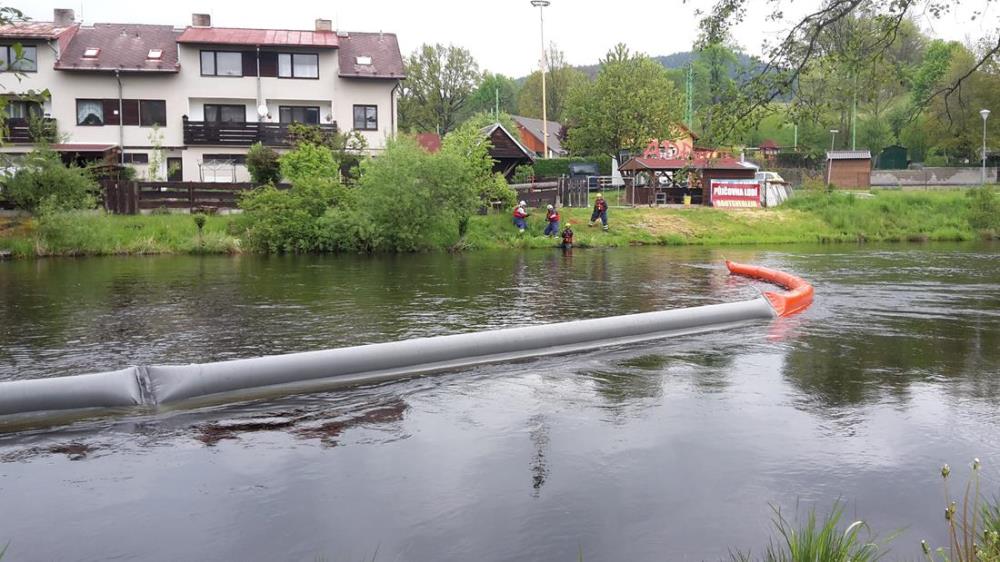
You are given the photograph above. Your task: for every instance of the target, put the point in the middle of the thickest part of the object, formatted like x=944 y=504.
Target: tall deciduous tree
x=560 y=80
x=632 y=101
x=439 y=82
x=493 y=88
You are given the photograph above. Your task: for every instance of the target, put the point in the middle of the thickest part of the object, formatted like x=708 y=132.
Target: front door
x=175 y=169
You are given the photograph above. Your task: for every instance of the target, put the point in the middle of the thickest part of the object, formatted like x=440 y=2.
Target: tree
x=631 y=102
x=439 y=82
x=309 y=161
x=801 y=50
x=560 y=80
x=492 y=87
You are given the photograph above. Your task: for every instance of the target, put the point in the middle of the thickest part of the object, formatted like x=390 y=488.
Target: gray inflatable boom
x=160 y=384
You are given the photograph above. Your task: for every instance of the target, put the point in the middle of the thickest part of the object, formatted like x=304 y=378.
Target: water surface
x=671 y=450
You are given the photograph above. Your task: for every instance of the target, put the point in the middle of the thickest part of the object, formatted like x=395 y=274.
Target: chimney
x=324 y=25
x=63 y=17
x=201 y=20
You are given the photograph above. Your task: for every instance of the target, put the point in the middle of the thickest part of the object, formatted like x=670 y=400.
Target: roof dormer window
x=364 y=60
x=154 y=54
x=91 y=52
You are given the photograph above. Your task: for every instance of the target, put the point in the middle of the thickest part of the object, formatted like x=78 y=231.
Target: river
x=672 y=450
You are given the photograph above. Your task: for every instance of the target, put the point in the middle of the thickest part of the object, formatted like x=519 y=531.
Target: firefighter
x=521 y=216
x=552 y=216
x=600 y=211
x=567 y=236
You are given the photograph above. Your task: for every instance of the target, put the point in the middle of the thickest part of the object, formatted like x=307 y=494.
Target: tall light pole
x=829 y=160
x=985 y=113
x=541 y=4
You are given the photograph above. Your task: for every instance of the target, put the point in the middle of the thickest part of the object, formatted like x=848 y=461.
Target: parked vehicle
x=771 y=177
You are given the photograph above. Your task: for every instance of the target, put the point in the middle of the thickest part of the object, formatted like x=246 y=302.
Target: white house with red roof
x=201 y=94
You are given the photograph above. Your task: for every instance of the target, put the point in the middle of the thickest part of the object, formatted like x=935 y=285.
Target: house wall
x=186 y=92
x=849 y=174
x=530 y=141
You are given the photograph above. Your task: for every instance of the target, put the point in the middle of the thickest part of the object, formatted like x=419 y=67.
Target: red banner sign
x=735 y=193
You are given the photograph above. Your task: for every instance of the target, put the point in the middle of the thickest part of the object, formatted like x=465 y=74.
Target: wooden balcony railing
x=241 y=134
x=24 y=131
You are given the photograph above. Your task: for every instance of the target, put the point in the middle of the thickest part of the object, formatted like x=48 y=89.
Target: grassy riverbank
x=819 y=217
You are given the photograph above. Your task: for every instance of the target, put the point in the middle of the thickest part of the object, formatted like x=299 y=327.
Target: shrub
x=308 y=162
x=984 y=209
x=263 y=164
x=289 y=221
x=44 y=182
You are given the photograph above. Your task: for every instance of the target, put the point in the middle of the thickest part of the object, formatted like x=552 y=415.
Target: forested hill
x=676 y=60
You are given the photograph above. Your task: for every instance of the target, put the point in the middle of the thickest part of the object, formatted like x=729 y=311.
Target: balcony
x=28 y=131
x=241 y=134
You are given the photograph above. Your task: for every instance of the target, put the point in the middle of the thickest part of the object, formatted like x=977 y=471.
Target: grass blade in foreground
x=819 y=541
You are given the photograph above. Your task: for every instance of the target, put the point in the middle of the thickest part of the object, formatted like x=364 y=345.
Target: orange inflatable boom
x=797 y=298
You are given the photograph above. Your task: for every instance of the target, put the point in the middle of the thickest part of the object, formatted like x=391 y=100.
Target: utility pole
x=541 y=4
x=689 y=92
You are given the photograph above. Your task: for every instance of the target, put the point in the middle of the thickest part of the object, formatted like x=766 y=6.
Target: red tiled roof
x=383 y=48
x=32 y=30
x=431 y=142
x=122 y=47
x=769 y=144
x=238 y=36
x=677 y=164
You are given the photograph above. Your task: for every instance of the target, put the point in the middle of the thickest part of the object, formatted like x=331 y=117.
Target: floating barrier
x=798 y=297
x=166 y=384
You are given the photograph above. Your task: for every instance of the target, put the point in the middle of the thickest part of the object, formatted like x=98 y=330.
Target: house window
x=221 y=63
x=27 y=62
x=136 y=157
x=215 y=113
x=366 y=117
x=152 y=113
x=23 y=110
x=298 y=65
x=289 y=114
x=89 y=112
x=91 y=52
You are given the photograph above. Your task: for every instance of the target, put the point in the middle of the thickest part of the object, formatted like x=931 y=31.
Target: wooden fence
x=133 y=197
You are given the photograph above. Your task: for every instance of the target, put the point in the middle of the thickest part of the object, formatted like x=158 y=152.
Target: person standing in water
x=567 y=237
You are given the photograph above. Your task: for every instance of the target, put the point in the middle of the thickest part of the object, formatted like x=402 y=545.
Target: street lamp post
x=985 y=113
x=829 y=161
x=541 y=4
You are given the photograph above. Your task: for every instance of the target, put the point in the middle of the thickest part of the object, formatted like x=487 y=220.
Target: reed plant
x=973 y=532
x=819 y=540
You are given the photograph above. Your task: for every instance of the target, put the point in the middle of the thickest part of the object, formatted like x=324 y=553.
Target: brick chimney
x=201 y=20
x=63 y=17
x=324 y=25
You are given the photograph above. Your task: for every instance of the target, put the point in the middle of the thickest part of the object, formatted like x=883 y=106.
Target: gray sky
x=503 y=35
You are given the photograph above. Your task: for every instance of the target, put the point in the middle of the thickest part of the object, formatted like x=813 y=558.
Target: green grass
x=885 y=216
x=92 y=233
x=819 y=541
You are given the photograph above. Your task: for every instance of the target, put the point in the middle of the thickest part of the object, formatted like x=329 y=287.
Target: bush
x=263 y=163
x=984 y=209
x=43 y=182
x=289 y=221
x=308 y=162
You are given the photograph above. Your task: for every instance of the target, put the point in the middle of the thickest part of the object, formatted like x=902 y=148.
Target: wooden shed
x=849 y=169
x=657 y=179
x=507 y=152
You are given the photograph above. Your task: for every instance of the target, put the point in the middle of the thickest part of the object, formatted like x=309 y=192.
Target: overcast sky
x=503 y=35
